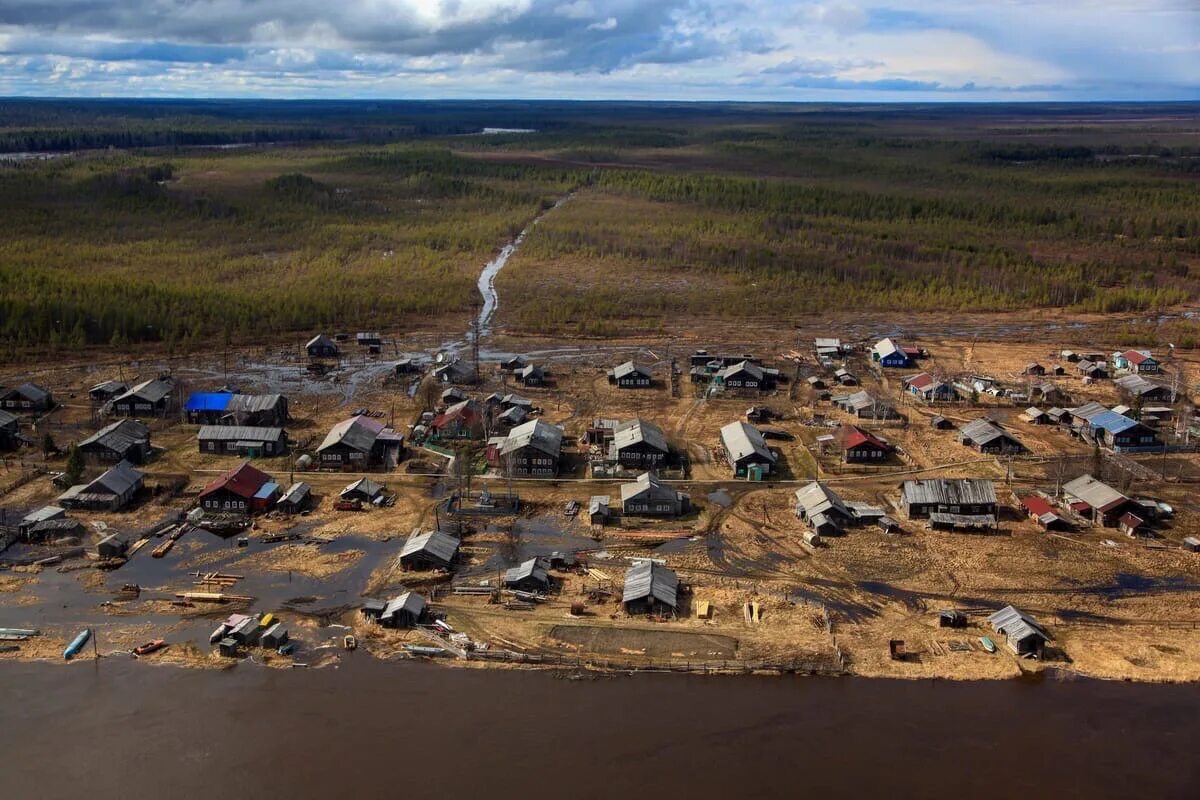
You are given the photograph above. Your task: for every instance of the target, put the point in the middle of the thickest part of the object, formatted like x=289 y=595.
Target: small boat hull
x=988 y=644
x=77 y=644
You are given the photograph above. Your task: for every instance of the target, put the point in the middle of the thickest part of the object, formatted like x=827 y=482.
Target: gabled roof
x=208 y=401
x=1137 y=357
x=854 y=436
x=358 y=433
x=629 y=368
x=921 y=380
x=753 y=370
x=239 y=433
x=1098 y=495
x=117 y=480
x=31 y=392
x=886 y=347
x=8 y=420
x=1137 y=385
x=537 y=434
x=322 y=340
x=648 y=484
x=465 y=410
x=152 y=391
x=817 y=498
x=741 y=439
x=109 y=387
x=364 y=486
x=119 y=436
x=637 y=431
x=296 y=493
x=649 y=579
x=533 y=568
x=441 y=546
x=409 y=603
x=1016 y=625
x=950 y=491
x=983 y=431
x=253 y=403
x=243 y=480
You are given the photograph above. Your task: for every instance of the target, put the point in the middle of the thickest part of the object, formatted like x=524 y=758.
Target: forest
x=180 y=222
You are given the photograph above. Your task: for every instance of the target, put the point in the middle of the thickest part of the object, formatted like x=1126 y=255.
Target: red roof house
x=243 y=489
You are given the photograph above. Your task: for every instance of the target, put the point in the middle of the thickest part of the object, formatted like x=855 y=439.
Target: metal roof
x=117 y=480
x=1096 y=494
x=863 y=400
x=742 y=366
x=1016 y=625
x=119 y=436
x=238 y=433
x=365 y=486
x=533 y=568
x=31 y=392
x=253 y=403
x=208 y=401
x=1137 y=385
x=42 y=514
x=409 y=602
x=243 y=480
x=296 y=493
x=152 y=391
x=1112 y=422
x=109 y=387
x=647 y=483
x=598 y=503
x=649 y=579
x=8 y=420
x=629 y=368
x=537 y=434
x=358 y=433
x=817 y=498
x=441 y=546
x=950 y=491
x=741 y=439
x=886 y=347
x=636 y=431
x=983 y=431
x=321 y=339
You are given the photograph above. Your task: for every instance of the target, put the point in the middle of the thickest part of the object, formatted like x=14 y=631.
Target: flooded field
x=339 y=731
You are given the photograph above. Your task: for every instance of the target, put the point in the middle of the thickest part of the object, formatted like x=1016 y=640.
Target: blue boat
x=988 y=644
x=77 y=644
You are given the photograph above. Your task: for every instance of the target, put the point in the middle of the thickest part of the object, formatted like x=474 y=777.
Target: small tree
x=74 y=465
x=49 y=448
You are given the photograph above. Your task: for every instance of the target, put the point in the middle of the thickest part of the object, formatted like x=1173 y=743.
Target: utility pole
x=475 y=340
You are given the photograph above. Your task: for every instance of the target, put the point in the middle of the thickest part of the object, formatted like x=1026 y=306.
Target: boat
x=77 y=644
x=149 y=647
x=267 y=620
x=26 y=632
x=349 y=642
x=218 y=634
x=988 y=644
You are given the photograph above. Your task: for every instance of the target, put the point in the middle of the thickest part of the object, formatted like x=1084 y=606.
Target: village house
x=1022 y=633
x=360 y=443
x=864 y=405
x=321 y=346
x=228 y=408
x=650 y=588
x=125 y=440
x=1097 y=501
x=951 y=502
x=862 y=447
x=1119 y=433
x=110 y=492
x=1047 y=392
x=827 y=348
x=649 y=497
x=638 y=444
x=463 y=420
x=10 y=435
x=244 y=441
x=1091 y=370
x=1139 y=361
x=930 y=389
x=746 y=376
x=1036 y=416
x=1138 y=389
x=889 y=353
x=630 y=376
x=746 y=451
x=297 y=498
x=106 y=390
x=823 y=509
x=1033 y=368
x=403 y=611
x=988 y=437
x=513 y=364
x=510 y=418
x=241 y=490
x=532 y=449
x=26 y=397
x=428 y=551
x=154 y=397
x=368 y=339
x=454 y=371
x=364 y=490
x=532 y=575
x=598 y=509
x=844 y=377
x=530 y=375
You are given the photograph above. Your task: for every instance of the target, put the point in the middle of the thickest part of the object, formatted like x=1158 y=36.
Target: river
x=370 y=729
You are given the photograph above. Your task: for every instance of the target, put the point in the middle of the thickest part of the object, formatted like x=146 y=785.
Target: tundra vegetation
x=194 y=221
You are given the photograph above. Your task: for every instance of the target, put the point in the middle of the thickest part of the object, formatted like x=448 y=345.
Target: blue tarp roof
x=269 y=488
x=208 y=401
x=1112 y=422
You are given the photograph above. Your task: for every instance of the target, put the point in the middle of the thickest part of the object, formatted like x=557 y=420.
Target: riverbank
x=461 y=733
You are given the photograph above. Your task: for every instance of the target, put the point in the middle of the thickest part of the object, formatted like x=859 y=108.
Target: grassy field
x=383 y=216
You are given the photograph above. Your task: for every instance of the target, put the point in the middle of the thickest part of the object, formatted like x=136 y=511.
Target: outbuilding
x=650 y=588
x=1025 y=637
x=124 y=440
x=403 y=611
x=529 y=576
x=429 y=550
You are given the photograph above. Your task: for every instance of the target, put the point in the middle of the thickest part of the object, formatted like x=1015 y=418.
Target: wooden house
x=746 y=451
x=1097 y=501
x=403 y=611
x=112 y=491
x=241 y=490
x=360 y=443
x=532 y=575
x=321 y=346
x=987 y=436
x=10 y=431
x=630 y=376
x=1022 y=633
x=1137 y=361
x=650 y=588
x=954 y=502
x=1041 y=511
x=106 y=390
x=297 y=498
x=124 y=440
x=430 y=550
x=154 y=397
x=889 y=353
x=745 y=376
x=242 y=440
x=862 y=447
x=28 y=397
x=533 y=449
x=530 y=375
x=649 y=497
x=638 y=444
x=463 y=420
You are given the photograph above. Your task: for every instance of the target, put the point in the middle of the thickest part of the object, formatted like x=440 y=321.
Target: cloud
x=718 y=49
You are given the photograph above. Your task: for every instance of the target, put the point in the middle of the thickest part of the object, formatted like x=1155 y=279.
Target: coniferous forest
x=176 y=222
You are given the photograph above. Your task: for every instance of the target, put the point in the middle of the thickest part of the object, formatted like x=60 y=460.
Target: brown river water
x=368 y=729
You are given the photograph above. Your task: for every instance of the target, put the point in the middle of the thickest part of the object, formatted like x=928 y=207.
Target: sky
x=887 y=50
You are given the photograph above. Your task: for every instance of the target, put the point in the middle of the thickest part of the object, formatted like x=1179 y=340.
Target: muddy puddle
x=529 y=538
